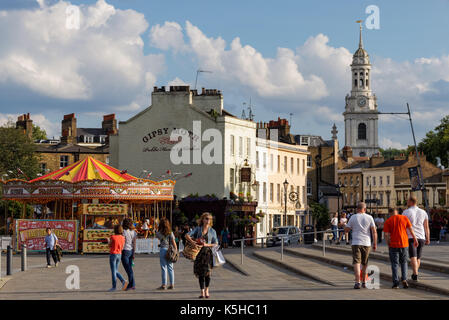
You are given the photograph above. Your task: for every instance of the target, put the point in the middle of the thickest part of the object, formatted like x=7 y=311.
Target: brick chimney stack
x=68 y=129
x=109 y=124
x=26 y=124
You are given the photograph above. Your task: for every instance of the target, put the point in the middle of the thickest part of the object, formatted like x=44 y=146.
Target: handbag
x=172 y=255
x=191 y=251
x=219 y=259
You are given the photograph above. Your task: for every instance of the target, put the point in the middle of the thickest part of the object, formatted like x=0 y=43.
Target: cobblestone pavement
x=264 y=282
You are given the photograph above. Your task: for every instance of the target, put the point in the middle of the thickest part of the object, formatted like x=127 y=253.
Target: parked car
x=290 y=234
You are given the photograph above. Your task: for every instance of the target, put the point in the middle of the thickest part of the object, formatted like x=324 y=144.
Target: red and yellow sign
x=93 y=240
x=104 y=209
x=33 y=232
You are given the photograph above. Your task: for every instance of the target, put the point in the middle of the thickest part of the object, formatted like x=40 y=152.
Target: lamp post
x=338 y=186
x=285 y=201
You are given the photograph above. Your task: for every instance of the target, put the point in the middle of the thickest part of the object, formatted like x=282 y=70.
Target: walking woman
x=205 y=237
x=116 y=244
x=128 y=251
x=166 y=238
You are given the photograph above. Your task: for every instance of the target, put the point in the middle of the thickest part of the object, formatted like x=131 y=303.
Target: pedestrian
x=342 y=225
x=166 y=238
x=395 y=229
x=8 y=224
x=362 y=226
x=185 y=231
x=206 y=237
x=420 y=225
x=116 y=244
x=51 y=241
x=146 y=228
x=334 y=226
x=379 y=221
x=444 y=229
x=177 y=235
x=128 y=252
x=225 y=237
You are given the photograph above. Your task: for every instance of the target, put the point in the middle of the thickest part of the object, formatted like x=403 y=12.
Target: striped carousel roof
x=87 y=169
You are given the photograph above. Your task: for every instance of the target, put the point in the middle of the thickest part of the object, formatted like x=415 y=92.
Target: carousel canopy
x=88 y=179
x=87 y=169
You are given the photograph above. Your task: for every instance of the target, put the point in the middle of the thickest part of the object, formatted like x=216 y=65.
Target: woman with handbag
x=168 y=253
x=205 y=237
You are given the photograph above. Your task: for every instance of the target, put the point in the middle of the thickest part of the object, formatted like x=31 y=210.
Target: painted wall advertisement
x=32 y=233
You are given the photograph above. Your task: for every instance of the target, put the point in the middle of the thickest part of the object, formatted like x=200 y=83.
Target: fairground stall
x=83 y=201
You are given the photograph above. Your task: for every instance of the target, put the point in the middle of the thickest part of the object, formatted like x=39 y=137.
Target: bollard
x=324 y=245
x=23 y=256
x=241 y=249
x=282 y=249
x=8 y=261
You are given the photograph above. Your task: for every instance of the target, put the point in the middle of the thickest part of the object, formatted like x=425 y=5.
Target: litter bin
x=308 y=238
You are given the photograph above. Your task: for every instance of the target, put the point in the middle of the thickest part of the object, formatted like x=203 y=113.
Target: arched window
x=355 y=82
x=362 y=131
x=361 y=83
x=367 y=82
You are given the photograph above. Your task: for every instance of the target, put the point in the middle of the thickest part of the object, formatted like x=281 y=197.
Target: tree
x=436 y=143
x=38 y=133
x=17 y=154
x=390 y=153
x=320 y=214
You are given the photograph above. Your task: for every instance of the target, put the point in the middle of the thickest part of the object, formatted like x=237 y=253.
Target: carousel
x=83 y=201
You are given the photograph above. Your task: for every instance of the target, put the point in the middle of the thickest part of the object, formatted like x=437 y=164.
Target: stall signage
x=104 y=209
x=32 y=233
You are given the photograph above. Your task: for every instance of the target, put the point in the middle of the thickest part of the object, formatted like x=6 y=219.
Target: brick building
x=75 y=143
x=388 y=181
x=322 y=165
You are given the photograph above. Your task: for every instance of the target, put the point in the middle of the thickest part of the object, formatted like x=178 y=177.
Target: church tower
x=361 y=114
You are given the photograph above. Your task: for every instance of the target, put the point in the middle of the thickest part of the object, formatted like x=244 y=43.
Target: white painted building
x=277 y=162
x=218 y=142
x=361 y=113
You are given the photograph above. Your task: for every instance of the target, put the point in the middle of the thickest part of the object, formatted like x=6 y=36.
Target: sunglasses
x=207 y=218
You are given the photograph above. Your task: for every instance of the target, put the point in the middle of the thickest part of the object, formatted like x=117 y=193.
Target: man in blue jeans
x=395 y=230
x=50 y=247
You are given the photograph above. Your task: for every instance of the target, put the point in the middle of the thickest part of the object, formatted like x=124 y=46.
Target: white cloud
x=168 y=36
x=388 y=143
x=103 y=60
x=177 y=82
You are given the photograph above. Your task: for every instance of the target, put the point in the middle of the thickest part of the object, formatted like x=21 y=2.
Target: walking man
x=395 y=230
x=379 y=221
x=50 y=247
x=362 y=226
x=420 y=225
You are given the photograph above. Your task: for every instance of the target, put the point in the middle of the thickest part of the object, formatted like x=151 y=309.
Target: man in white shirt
x=420 y=225
x=379 y=221
x=362 y=226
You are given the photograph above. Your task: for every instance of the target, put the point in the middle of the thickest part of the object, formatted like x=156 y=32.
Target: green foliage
x=17 y=151
x=38 y=133
x=436 y=143
x=320 y=214
x=390 y=153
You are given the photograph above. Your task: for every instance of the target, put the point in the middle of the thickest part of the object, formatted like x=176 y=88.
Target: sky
x=287 y=56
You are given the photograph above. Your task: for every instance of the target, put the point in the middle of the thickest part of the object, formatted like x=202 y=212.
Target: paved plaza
x=256 y=279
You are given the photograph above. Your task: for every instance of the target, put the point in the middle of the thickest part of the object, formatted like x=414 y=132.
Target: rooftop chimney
x=68 y=129
x=26 y=124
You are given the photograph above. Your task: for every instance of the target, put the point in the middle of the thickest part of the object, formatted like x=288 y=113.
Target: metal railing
x=286 y=236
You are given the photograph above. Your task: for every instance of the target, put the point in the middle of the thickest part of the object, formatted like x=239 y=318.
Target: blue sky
x=409 y=51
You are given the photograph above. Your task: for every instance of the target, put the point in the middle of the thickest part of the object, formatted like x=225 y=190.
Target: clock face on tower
x=361 y=102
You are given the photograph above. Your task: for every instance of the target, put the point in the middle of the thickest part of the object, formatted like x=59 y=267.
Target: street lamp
x=285 y=201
